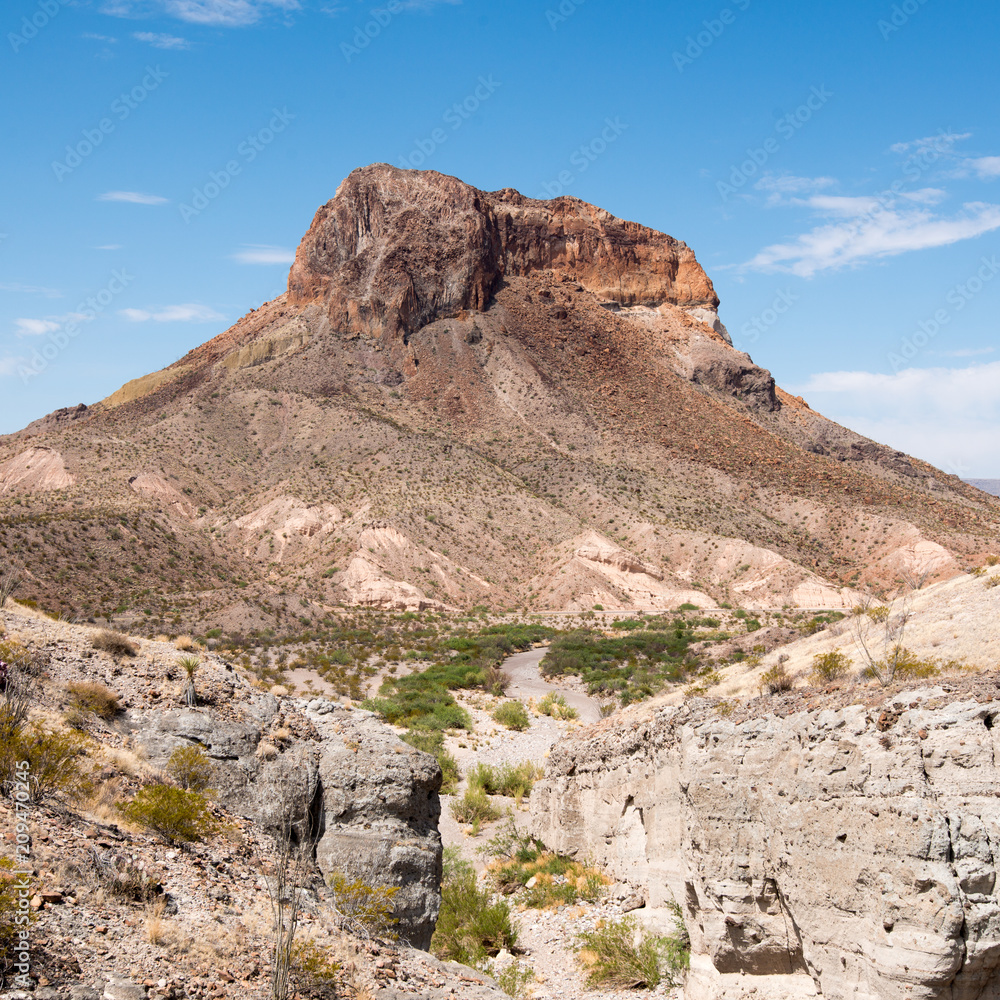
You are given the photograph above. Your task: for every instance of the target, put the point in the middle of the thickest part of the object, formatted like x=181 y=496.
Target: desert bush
x=514 y=780
x=190 y=768
x=513 y=979
x=474 y=807
x=471 y=927
x=620 y=955
x=555 y=705
x=829 y=666
x=312 y=966
x=776 y=680
x=513 y=715
x=52 y=756
x=179 y=816
x=120 y=878
x=365 y=909
x=432 y=742
x=89 y=696
x=116 y=643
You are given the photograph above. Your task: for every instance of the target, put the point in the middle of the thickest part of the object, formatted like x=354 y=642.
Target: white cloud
x=189 y=312
x=987 y=167
x=790 y=184
x=941 y=143
x=946 y=416
x=227 y=13
x=925 y=196
x=35 y=327
x=964 y=352
x=133 y=197
x=109 y=246
x=100 y=38
x=159 y=41
x=8 y=364
x=263 y=253
x=49 y=293
x=872 y=235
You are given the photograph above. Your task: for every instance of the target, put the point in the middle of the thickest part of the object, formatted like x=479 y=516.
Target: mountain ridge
x=457 y=390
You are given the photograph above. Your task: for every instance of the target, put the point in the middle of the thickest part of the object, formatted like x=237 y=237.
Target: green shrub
x=622 y=956
x=176 y=815
x=52 y=756
x=190 y=768
x=776 y=680
x=474 y=807
x=513 y=715
x=514 y=780
x=555 y=705
x=89 y=696
x=829 y=666
x=312 y=965
x=364 y=908
x=115 y=643
x=513 y=979
x=471 y=927
x=432 y=742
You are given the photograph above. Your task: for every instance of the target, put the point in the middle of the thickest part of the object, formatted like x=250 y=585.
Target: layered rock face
x=368 y=800
x=834 y=853
x=397 y=249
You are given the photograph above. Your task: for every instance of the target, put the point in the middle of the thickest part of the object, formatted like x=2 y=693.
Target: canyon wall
x=833 y=852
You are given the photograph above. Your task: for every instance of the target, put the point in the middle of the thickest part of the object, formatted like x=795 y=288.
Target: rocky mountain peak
x=397 y=249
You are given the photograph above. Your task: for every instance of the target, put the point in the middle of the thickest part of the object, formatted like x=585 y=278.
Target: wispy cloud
x=13 y=286
x=35 y=327
x=133 y=197
x=159 y=41
x=940 y=143
x=872 y=232
x=109 y=246
x=100 y=38
x=263 y=253
x=188 y=312
x=947 y=416
x=8 y=364
x=225 y=13
x=986 y=167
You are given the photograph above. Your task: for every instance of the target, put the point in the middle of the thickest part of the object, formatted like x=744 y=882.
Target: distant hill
x=986 y=485
x=465 y=398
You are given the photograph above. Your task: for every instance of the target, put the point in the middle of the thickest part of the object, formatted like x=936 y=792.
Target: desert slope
x=482 y=380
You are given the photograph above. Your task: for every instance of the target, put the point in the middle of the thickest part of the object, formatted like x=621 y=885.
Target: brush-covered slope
x=468 y=398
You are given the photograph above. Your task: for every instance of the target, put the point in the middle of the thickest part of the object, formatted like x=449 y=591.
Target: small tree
x=878 y=634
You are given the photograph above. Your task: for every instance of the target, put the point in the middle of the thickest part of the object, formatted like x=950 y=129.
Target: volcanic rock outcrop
x=815 y=852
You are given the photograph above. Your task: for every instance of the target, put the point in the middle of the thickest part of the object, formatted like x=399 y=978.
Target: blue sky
x=836 y=168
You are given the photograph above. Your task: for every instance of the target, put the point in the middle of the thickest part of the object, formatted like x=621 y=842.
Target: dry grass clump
x=777 y=680
x=89 y=696
x=116 y=643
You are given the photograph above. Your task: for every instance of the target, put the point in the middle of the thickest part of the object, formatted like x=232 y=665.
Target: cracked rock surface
x=845 y=851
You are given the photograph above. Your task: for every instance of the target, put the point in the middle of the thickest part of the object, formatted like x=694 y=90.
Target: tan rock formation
x=833 y=852
x=36 y=470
